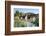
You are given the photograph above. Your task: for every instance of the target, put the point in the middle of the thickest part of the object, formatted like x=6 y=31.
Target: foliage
x=19 y=23
x=17 y=13
x=36 y=22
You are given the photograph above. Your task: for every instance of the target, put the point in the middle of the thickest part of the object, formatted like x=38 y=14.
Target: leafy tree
x=20 y=13
x=17 y=13
x=36 y=22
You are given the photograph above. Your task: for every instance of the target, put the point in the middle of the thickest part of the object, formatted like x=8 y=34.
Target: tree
x=20 y=13
x=17 y=13
x=36 y=22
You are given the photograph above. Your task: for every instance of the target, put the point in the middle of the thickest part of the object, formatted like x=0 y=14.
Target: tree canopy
x=17 y=13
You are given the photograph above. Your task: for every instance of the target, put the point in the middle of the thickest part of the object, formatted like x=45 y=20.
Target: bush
x=36 y=22
x=19 y=23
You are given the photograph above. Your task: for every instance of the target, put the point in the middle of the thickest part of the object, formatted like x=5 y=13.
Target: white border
x=25 y=28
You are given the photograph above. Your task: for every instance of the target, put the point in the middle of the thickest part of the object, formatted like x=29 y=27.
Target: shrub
x=36 y=22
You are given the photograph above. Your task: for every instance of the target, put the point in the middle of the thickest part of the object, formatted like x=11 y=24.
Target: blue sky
x=27 y=10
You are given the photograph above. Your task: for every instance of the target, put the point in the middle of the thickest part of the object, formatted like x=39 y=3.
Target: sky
x=27 y=10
